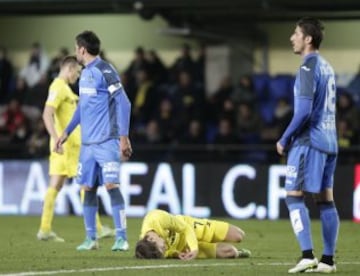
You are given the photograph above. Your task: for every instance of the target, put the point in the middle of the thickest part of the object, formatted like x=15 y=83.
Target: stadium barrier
x=241 y=191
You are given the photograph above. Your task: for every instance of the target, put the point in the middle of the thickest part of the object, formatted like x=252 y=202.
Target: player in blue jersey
x=310 y=142
x=103 y=113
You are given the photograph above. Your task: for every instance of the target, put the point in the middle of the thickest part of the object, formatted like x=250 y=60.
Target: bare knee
x=110 y=186
x=225 y=251
x=235 y=234
x=57 y=182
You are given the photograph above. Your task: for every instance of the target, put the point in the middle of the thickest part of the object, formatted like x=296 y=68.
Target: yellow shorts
x=66 y=163
x=208 y=233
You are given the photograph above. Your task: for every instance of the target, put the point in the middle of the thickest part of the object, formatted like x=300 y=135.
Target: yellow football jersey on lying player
x=185 y=233
x=177 y=234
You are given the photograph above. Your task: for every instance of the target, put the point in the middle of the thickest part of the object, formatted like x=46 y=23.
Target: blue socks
x=90 y=209
x=118 y=212
x=300 y=221
x=330 y=226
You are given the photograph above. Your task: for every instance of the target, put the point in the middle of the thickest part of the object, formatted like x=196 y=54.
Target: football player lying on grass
x=164 y=235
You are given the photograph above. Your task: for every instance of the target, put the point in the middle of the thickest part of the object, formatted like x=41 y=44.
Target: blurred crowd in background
x=173 y=118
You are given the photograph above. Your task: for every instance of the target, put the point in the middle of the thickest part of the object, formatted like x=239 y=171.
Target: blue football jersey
x=315 y=80
x=104 y=105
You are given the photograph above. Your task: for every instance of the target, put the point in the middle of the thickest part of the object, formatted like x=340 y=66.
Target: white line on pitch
x=164 y=266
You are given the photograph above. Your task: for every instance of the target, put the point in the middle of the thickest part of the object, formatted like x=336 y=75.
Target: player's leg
x=108 y=156
x=236 y=234
x=219 y=250
x=329 y=218
x=90 y=207
x=119 y=218
x=45 y=233
x=226 y=251
x=295 y=183
x=87 y=172
x=215 y=231
x=102 y=231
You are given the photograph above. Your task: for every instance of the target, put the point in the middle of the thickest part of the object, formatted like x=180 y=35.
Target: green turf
x=272 y=243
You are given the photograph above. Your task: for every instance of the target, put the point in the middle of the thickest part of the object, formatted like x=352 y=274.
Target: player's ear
x=308 y=39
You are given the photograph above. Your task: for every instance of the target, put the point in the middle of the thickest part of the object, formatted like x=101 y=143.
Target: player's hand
x=189 y=255
x=126 y=149
x=280 y=149
x=59 y=142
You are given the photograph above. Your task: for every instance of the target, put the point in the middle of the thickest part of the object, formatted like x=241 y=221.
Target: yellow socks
x=98 y=221
x=48 y=210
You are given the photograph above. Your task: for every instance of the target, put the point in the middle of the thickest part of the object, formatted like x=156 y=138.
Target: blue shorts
x=99 y=160
x=309 y=170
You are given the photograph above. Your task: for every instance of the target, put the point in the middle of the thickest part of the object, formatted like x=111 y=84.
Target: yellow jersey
x=64 y=101
x=177 y=233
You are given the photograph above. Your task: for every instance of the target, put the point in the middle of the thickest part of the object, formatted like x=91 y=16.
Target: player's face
x=79 y=52
x=298 y=41
x=155 y=238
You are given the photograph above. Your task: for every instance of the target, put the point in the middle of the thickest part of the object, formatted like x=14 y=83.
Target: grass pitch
x=272 y=243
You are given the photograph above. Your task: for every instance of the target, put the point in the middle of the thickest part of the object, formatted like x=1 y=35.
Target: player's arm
x=124 y=123
x=180 y=226
x=302 y=105
x=302 y=112
x=123 y=111
x=49 y=121
x=75 y=120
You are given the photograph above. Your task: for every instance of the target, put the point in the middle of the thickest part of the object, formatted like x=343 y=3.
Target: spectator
x=138 y=63
x=244 y=91
x=54 y=67
x=347 y=137
x=169 y=120
x=6 y=76
x=282 y=117
x=189 y=98
x=194 y=134
x=12 y=119
x=145 y=100
x=158 y=71
x=183 y=63
x=38 y=143
x=248 y=124
x=216 y=102
x=347 y=110
x=32 y=81
x=151 y=135
x=225 y=136
x=200 y=65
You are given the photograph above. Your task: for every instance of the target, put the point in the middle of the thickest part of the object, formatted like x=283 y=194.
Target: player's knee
x=235 y=234
x=110 y=186
x=86 y=188
x=240 y=235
